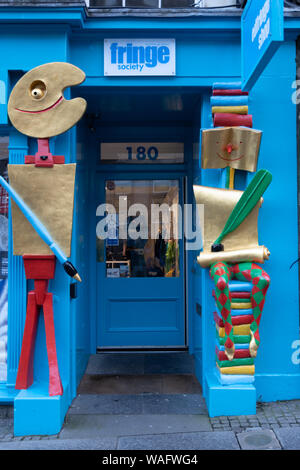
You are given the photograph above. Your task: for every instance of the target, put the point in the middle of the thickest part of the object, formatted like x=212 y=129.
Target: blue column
x=18 y=147
x=220 y=399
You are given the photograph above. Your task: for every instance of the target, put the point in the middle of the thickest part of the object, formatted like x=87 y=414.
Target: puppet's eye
x=241 y=142
x=37 y=90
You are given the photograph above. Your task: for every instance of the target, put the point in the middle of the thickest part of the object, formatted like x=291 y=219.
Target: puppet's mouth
x=42 y=110
x=230 y=159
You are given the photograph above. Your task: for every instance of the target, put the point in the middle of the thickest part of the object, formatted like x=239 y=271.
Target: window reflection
x=142 y=235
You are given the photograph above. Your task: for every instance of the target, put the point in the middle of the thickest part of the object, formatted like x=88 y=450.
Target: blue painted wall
x=275 y=113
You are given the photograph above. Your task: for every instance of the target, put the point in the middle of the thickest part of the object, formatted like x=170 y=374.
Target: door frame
x=166 y=171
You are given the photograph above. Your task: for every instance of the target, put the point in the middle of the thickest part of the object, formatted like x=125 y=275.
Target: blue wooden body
x=229 y=100
x=207 y=52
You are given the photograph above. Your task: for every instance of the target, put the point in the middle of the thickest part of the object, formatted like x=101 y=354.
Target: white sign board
x=138 y=57
x=142 y=152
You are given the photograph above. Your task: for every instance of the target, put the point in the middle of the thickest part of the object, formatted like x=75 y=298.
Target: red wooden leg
x=55 y=386
x=25 y=369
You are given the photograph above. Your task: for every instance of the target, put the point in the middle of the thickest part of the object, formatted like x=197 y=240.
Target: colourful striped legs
x=220 y=273
x=261 y=281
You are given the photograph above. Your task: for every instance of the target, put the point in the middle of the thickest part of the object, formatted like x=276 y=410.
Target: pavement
x=153 y=401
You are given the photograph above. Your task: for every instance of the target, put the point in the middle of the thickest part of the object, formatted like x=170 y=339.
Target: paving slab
x=87 y=426
x=223 y=440
x=258 y=439
x=148 y=403
x=289 y=437
x=61 y=444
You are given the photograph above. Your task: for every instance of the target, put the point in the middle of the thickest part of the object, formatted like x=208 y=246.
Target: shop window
x=3 y=260
x=142 y=231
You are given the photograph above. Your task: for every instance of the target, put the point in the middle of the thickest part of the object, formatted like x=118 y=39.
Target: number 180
x=142 y=153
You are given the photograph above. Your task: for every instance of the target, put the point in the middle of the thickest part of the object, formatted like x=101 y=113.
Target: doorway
x=137 y=145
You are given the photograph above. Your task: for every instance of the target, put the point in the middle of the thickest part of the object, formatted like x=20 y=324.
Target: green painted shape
x=236 y=362
x=241 y=301
x=238 y=339
x=258 y=297
x=247 y=202
x=227 y=182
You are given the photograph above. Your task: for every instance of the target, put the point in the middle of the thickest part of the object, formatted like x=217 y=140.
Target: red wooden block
x=55 y=386
x=239 y=354
x=241 y=295
x=236 y=320
x=39 y=266
x=230 y=93
x=43 y=157
x=232 y=120
x=25 y=369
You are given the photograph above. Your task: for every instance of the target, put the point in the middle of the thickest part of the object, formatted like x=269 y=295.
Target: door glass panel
x=143 y=221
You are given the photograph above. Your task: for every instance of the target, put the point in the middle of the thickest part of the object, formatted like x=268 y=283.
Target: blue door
x=140 y=268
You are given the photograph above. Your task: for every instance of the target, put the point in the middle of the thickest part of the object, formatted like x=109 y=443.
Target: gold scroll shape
x=49 y=192
x=239 y=245
x=244 y=147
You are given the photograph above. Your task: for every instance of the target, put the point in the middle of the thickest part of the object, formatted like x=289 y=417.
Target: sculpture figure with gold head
x=42 y=192
x=230 y=240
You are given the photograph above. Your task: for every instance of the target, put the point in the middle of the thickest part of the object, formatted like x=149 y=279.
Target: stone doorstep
x=135 y=384
x=142 y=363
x=141 y=404
x=98 y=426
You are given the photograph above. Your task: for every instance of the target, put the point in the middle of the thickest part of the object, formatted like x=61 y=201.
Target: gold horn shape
x=37 y=106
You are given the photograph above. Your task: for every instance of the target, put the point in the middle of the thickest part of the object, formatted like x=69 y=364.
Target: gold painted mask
x=37 y=107
x=234 y=147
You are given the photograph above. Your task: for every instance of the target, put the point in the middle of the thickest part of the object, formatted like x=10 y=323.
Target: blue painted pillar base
x=228 y=400
x=36 y=413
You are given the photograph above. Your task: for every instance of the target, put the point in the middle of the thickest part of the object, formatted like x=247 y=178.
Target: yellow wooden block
x=237 y=370
x=230 y=109
x=237 y=330
x=241 y=306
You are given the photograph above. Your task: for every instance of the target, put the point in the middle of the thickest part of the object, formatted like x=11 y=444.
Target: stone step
x=109 y=426
x=117 y=363
x=135 y=384
x=142 y=404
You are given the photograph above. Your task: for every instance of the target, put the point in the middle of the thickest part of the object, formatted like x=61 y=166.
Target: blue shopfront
x=139 y=144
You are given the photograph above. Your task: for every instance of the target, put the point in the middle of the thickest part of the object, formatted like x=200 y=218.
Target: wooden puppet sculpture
x=230 y=246
x=42 y=192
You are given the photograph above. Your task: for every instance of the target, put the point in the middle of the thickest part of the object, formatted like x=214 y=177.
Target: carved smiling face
x=37 y=107
x=235 y=147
